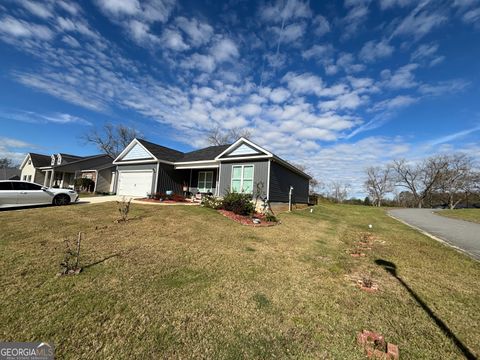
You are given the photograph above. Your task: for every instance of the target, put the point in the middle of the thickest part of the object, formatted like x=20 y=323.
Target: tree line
x=438 y=180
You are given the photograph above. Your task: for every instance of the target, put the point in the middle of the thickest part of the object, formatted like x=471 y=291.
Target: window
x=29 y=178
x=5 y=185
x=23 y=186
x=24 y=178
x=242 y=178
x=205 y=181
x=29 y=162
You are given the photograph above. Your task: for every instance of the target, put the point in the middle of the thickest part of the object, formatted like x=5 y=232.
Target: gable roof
x=93 y=162
x=39 y=160
x=161 y=152
x=208 y=153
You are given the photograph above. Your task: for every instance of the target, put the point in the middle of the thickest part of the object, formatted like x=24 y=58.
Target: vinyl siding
x=171 y=179
x=260 y=174
x=137 y=152
x=103 y=180
x=281 y=178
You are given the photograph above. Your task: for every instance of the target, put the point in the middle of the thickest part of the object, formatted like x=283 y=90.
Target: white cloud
x=305 y=83
x=387 y=4
x=373 y=50
x=119 y=7
x=472 y=16
x=291 y=32
x=444 y=87
x=279 y=95
x=224 y=50
x=173 y=40
x=284 y=11
x=402 y=78
x=427 y=55
x=318 y=52
x=321 y=25
x=42 y=10
x=395 y=103
x=420 y=21
x=199 y=33
x=11 y=27
x=356 y=16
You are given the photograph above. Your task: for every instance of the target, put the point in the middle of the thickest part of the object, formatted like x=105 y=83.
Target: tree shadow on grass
x=101 y=260
x=391 y=268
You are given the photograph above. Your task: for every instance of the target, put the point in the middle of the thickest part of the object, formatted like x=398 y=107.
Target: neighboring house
x=31 y=167
x=9 y=174
x=144 y=168
x=61 y=170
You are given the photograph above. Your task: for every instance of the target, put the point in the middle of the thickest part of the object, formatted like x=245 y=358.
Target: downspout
x=156 y=177
x=268 y=179
x=219 y=178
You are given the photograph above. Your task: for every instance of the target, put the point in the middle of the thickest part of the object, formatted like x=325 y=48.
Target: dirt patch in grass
x=185 y=282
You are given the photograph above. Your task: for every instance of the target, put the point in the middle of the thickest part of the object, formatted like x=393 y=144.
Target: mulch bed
x=247 y=220
x=163 y=201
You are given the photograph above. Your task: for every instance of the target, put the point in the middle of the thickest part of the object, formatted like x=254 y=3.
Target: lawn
x=186 y=282
x=472 y=215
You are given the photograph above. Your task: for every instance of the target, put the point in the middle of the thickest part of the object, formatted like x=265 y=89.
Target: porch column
x=63 y=179
x=52 y=176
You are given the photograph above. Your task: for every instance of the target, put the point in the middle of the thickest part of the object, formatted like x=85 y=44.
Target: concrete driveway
x=462 y=235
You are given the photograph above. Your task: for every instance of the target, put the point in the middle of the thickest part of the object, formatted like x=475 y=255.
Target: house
x=61 y=170
x=144 y=168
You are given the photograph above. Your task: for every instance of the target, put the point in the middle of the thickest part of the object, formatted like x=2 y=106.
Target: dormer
x=59 y=159
x=52 y=162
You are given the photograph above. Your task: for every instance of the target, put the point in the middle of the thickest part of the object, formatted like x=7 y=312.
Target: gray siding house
x=144 y=168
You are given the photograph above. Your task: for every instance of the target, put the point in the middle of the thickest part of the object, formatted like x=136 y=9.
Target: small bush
x=84 y=184
x=211 y=202
x=124 y=209
x=240 y=204
x=270 y=218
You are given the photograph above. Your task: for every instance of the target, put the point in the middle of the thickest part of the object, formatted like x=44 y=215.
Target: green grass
x=472 y=215
x=186 y=282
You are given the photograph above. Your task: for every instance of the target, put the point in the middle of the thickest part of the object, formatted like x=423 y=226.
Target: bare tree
x=378 y=183
x=6 y=163
x=420 y=179
x=111 y=139
x=338 y=191
x=217 y=136
x=456 y=180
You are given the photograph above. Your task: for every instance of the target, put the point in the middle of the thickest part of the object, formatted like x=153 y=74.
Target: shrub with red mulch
x=247 y=220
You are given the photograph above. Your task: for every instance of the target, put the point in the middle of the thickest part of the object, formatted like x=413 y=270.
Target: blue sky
x=335 y=85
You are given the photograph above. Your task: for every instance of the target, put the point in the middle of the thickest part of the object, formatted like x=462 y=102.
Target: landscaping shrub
x=240 y=204
x=270 y=217
x=211 y=202
x=84 y=184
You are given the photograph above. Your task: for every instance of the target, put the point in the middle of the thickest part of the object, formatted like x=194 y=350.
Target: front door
x=205 y=181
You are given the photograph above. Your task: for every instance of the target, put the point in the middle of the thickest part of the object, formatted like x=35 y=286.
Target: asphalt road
x=461 y=234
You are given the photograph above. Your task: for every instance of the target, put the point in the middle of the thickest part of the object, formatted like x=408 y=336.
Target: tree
x=419 y=179
x=111 y=139
x=456 y=180
x=378 y=183
x=338 y=191
x=6 y=163
x=217 y=136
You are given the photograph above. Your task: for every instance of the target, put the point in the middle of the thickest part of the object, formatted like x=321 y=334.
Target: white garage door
x=135 y=183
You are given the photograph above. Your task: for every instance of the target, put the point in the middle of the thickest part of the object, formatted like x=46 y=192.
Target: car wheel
x=61 y=199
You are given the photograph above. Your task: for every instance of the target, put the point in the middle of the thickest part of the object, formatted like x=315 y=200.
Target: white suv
x=22 y=193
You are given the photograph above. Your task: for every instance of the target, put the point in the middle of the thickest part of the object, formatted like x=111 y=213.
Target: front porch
x=59 y=179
